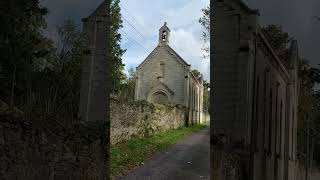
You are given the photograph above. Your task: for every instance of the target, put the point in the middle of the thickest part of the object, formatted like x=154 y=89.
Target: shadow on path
x=188 y=160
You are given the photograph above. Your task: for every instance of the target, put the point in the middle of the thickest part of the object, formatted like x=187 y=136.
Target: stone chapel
x=166 y=78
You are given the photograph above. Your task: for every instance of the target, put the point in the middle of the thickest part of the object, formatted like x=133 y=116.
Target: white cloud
x=147 y=17
x=182 y=18
x=189 y=46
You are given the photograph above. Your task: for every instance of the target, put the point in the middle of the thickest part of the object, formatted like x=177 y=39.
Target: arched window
x=160 y=98
x=164 y=35
x=162 y=68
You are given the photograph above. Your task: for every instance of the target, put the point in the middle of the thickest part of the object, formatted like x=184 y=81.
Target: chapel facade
x=164 y=77
x=255 y=99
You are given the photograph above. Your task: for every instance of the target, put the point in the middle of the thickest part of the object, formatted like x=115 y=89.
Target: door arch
x=159 y=97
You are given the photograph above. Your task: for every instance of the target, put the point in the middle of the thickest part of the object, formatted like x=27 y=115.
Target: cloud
x=189 y=46
x=147 y=17
x=182 y=18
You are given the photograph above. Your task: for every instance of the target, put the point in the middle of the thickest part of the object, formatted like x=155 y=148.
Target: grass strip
x=132 y=153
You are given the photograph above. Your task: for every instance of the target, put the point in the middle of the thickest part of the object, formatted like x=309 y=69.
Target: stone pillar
x=93 y=99
x=95 y=89
x=232 y=66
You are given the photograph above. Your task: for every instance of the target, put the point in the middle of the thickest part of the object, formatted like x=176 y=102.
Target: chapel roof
x=171 y=51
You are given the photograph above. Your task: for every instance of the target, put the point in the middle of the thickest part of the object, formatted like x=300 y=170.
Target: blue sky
x=146 y=17
x=182 y=18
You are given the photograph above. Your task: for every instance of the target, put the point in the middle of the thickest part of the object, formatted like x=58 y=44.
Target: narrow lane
x=188 y=160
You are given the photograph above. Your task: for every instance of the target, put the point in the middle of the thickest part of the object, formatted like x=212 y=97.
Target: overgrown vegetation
x=117 y=70
x=127 y=86
x=205 y=22
x=309 y=111
x=277 y=38
x=133 y=153
x=22 y=48
x=40 y=79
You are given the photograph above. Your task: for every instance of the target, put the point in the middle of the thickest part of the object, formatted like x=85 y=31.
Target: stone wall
x=140 y=118
x=45 y=150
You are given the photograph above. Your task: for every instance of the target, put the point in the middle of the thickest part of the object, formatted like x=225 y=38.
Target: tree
x=64 y=71
x=205 y=22
x=127 y=90
x=41 y=80
x=117 y=74
x=206 y=96
x=55 y=86
x=196 y=73
x=22 y=46
x=309 y=111
x=72 y=42
x=277 y=38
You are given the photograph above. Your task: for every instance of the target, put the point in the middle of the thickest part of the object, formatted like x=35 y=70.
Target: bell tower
x=164 y=35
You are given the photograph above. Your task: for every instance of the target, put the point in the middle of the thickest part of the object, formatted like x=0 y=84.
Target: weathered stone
x=255 y=93
x=165 y=78
x=30 y=152
x=139 y=119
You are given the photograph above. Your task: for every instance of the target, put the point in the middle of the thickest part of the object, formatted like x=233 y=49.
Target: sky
x=182 y=16
x=296 y=18
x=141 y=22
